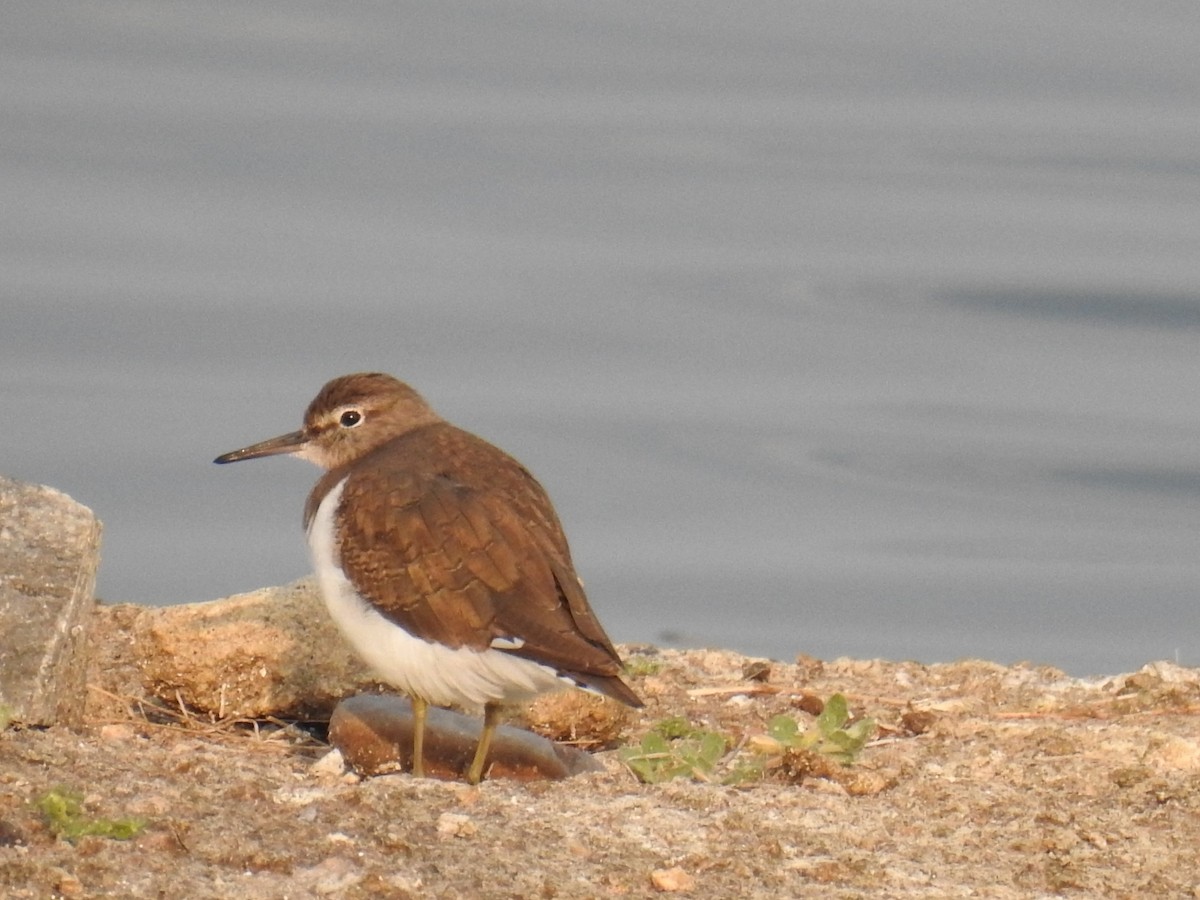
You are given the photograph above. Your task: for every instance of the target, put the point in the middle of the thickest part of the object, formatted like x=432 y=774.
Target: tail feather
x=608 y=685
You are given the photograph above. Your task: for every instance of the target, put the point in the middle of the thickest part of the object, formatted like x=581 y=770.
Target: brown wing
x=458 y=543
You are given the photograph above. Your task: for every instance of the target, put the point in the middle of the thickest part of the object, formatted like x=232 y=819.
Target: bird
x=441 y=559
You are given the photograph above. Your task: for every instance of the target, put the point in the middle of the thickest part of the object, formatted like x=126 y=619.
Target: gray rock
x=374 y=733
x=270 y=652
x=49 y=552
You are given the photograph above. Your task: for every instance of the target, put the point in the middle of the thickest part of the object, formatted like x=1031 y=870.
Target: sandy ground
x=982 y=781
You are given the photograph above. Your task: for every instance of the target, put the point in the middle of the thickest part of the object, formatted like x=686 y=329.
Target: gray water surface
x=847 y=329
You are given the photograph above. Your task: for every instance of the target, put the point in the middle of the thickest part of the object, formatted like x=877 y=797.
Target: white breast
x=441 y=675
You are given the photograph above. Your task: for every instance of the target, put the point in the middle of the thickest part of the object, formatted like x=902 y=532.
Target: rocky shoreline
x=979 y=780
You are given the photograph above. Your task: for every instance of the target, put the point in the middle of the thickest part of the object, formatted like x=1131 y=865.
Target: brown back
x=454 y=540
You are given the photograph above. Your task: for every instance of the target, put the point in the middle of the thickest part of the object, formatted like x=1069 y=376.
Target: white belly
x=441 y=675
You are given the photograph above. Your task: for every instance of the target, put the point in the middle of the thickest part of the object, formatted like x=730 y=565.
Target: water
x=840 y=329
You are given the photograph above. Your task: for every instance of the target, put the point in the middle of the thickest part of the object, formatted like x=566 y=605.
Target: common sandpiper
x=441 y=559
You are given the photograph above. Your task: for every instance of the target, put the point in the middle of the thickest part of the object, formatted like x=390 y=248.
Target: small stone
x=809 y=666
x=455 y=825
x=117 y=733
x=1173 y=753
x=11 y=835
x=70 y=886
x=330 y=767
x=917 y=721
x=810 y=703
x=672 y=881
x=864 y=783
x=757 y=670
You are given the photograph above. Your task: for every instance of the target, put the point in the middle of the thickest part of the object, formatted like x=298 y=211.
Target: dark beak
x=285 y=443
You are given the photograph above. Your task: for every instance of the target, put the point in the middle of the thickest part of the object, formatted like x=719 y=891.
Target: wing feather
x=455 y=541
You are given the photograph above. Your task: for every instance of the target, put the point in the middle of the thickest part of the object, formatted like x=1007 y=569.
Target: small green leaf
x=675 y=727
x=835 y=714
x=676 y=749
x=63 y=811
x=745 y=770
x=840 y=740
x=783 y=729
x=711 y=749
x=862 y=731
x=830 y=735
x=654 y=744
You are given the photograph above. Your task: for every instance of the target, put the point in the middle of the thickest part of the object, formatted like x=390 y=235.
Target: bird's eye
x=350 y=418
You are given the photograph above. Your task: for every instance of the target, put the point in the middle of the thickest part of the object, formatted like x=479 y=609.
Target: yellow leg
x=491 y=717
x=419 y=708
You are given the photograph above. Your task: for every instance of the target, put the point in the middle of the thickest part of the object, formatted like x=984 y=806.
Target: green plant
x=642 y=665
x=832 y=735
x=6 y=714
x=674 y=748
x=63 y=811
